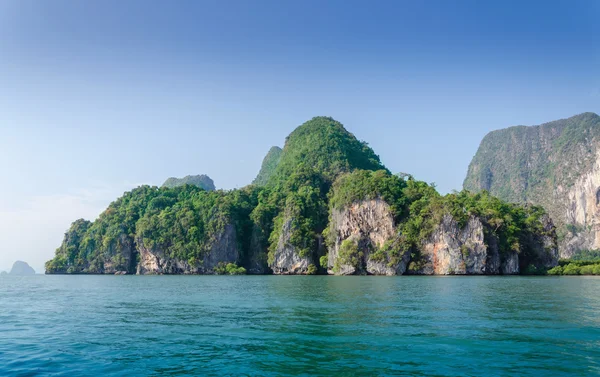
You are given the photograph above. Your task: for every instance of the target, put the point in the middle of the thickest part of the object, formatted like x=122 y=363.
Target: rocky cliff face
x=121 y=262
x=363 y=241
x=451 y=250
x=555 y=165
x=582 y=211
x=473 y=250
x=257 y=261
x=223 y=250
x=286 y=257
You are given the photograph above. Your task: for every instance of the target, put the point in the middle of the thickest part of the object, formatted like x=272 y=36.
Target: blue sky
x=97 y=97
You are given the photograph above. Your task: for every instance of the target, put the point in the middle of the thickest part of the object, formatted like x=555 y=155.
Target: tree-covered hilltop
x=292 y=210
x=323 y=144
x=287 y=224
x=268 y=166
x=182 y=222
x=202 y=181
x=554 y=165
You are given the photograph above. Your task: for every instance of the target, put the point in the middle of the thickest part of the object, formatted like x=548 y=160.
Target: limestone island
x=322 y=204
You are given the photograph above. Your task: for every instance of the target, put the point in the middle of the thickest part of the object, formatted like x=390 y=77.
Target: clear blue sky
x=99 y=96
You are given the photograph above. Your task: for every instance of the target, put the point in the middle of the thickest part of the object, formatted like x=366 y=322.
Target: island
x=322 y=204
x=21 y=268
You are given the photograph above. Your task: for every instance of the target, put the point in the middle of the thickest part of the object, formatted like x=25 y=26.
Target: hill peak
x=203 y=181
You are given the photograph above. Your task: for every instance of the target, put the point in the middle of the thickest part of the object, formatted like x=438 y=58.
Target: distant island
x=324 y=204
x=202 y=181
x=21 y=268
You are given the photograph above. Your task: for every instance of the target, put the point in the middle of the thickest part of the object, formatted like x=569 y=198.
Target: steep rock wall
x=286 y=257
x=223 y=250
x=451 y=250
x=366 y=227
x=555 y=165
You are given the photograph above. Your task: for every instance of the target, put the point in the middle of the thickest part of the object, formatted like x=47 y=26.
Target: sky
x=100 y=96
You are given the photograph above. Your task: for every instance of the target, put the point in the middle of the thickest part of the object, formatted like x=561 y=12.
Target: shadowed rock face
x=223 y=250
x=21 y=268
x=555 y=165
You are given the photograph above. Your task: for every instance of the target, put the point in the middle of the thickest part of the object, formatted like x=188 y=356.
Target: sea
x=299 y=326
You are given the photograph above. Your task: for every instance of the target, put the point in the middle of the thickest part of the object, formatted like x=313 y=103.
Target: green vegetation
x=586 y=255
x=349 y=255
x=391 y=252
x=576 y=269
x=268 y=166
x=585 y=262
x=202 y=181
x=229 y=269
x=183 y=222
x=324 y=145
x=365 y=185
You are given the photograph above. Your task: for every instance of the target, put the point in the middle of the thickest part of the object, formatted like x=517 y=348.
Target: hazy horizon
x=98 y=97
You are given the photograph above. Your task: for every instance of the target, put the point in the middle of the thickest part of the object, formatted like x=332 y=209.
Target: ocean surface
x=299 y=325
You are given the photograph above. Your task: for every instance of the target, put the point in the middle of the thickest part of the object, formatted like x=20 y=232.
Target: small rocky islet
x=322 y=204
x=20 y=268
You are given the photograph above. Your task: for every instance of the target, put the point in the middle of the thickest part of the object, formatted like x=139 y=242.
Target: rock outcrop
x=202 y=181
x=451 y=250
x=21 y=268
x=286 y=258
x=223 y=250
x=363 y=240
x=473 y=250
x=120 y=258
x=555 y=165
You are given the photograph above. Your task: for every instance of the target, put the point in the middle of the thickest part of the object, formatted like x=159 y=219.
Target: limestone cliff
x=287 y=259
x=473 y=250
x=555 y=165
x=154 y=261
x=451 y=250
x=362 y=241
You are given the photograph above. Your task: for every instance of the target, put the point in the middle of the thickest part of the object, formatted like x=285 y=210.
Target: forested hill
x=269 y=164
x=202 y=181
x=554 y=165
x=326 y=204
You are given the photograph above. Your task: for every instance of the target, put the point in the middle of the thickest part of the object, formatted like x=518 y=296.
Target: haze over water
x=299 y=325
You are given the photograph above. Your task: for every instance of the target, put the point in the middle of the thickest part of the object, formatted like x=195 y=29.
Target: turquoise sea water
x=299 y=325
